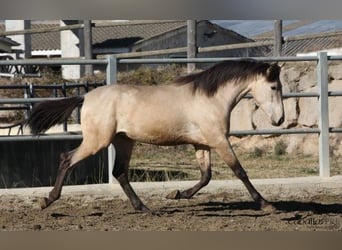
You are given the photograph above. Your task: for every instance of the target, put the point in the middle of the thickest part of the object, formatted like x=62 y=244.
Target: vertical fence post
x=64 y=92
x=111 y=72
x=88 y=50
x=29 y=107
x=322 y=79
x=278 y=37
x=191 y=43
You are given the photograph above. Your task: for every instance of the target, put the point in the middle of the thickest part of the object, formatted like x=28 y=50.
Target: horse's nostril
x=279 y=122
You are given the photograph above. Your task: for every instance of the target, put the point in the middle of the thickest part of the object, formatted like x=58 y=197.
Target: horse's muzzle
x=279 y=122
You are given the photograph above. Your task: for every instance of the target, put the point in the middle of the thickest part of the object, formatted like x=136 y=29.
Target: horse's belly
x=166 y=136
x=162 y=141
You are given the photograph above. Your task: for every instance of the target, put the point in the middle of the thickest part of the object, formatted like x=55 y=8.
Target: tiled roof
x=287 y=28
x=136 y=32
x=43 y=41
x=292 y=48
x=124 y=30
x=264 y=28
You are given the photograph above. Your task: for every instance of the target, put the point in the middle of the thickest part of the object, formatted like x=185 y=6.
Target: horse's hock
x=299 y=112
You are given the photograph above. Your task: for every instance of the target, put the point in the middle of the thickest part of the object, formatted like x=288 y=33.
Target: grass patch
x=141 y=174
x=259 y=163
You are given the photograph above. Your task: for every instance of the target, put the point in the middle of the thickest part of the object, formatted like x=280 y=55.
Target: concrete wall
x=71 y=42
x=24 y=40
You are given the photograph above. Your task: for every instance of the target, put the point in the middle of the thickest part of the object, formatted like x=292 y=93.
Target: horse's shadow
x=252 y=209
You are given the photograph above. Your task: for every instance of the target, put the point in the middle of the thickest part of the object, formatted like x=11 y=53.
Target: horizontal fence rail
x=266 y=42
x=111 y=72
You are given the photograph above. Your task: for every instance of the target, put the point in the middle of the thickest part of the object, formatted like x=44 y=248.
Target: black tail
x=49 y=113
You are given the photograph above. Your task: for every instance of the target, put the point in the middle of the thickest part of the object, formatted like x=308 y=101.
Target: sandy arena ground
x=309 y=204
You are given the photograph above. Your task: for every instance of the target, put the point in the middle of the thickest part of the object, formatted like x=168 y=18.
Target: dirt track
x=232 y=209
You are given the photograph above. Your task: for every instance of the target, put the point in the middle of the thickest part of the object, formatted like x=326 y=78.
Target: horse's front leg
x=123 y=147
x=226 y=152
x=203 y=159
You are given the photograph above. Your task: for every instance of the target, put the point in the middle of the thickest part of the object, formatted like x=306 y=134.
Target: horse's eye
x=273 y=87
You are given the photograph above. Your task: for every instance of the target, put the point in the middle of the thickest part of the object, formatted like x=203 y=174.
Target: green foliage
x=150 y=75
x=280 y=148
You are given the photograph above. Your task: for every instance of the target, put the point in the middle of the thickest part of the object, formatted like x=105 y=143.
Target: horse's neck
x=232 y=93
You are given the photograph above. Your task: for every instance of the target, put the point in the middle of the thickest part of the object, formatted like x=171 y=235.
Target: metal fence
x=57 y=90
x=111 y=63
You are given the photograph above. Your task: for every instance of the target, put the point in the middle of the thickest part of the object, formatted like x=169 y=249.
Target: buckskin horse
x=193 y=109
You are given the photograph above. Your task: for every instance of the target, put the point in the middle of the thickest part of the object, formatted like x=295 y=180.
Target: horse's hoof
x=174 y=195
x=145 y=209
x=44 y=203
x=268 y=208
x=142 y=209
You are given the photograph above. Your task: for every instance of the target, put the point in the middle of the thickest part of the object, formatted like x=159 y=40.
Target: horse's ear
x=273 y=72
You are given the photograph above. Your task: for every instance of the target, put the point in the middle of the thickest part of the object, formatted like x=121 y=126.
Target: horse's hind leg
x=123 y=150
x=64 y=166
x=67 y=162
x=203 y=159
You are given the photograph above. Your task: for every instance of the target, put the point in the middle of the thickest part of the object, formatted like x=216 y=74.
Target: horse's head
x=267 y=92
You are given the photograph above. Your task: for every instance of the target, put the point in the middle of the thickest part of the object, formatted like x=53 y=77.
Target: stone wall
x=299 y=112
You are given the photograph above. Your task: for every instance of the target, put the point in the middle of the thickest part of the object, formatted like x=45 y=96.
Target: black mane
x=210 y=80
